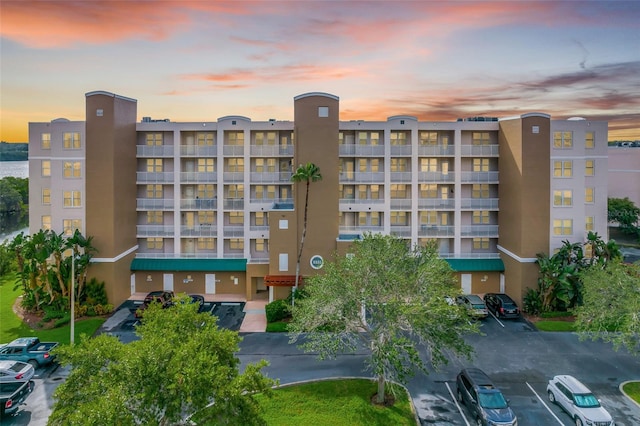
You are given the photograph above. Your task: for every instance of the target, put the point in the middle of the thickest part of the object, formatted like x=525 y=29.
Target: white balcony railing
x=271 y=150
x=198 y=151
x=479 y=231
x=435 y=150
x=199 y=203
x=154 y=203
x=201 y=230
x=270 y=177
x=197 y=177
x=154 y=230
x=436 y=177
x=480 y=177
x=154 y=177
x=154 y=150
x=436 y=203
x=480 y=203
x=480 y=150
x=436 y=231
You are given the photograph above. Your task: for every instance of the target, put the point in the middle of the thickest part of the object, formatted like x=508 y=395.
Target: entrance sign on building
x=316 y=262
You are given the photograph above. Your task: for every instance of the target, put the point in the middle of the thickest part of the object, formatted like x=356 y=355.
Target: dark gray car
x=486 y=403
x=501 y=305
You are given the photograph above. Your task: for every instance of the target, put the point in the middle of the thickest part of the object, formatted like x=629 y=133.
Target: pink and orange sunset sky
x=436 y=60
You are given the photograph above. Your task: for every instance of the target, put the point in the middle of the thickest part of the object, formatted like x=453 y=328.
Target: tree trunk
x=380 y=396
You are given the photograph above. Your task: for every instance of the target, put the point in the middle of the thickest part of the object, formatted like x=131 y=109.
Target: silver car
x=578 y=401
x=15 y=371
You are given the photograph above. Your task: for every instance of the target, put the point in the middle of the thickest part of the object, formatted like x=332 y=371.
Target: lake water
x=19 y=169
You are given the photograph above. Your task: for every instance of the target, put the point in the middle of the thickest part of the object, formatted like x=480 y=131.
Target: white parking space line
x=545 y=405
x=496 y=318
x=455 y=400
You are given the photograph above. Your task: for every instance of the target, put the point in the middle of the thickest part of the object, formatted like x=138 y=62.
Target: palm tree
x=304 y=173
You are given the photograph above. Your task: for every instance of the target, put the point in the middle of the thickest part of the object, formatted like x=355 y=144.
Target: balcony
x=361 y=150
x=270 y=177
x=435 y=177
x=361 y=200
x=436 y=150
x=400 y=150
x=196 y=255
x=233 y=203
x=479 y=231
x=436 y=231
x=470 y=255
x=267 y=203
x=400 y=231
x=154 y=177
x=233 y=150
x=376 y=229
x=259 y=228
x=233 y=176
x=198 y=204
x=362 y=177
x=401 y=203
x=143 y=151
x=198 y=151
x=154 y=203
x=480 y=203
x=401 y=176
x=436 y=203
x=201 y=230
x=154 y=231
x=480 y=177
x=233 y=231
x=271 y=150
x=480 y=150
x=198 y=177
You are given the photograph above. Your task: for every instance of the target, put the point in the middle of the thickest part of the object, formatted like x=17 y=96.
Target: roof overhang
x=480 y=265
x=281 y=280
x=195 y=265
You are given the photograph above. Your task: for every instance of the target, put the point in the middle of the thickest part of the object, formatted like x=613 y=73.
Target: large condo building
x=209 y=207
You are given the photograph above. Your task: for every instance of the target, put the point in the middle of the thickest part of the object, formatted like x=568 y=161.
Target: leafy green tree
x=611 y=304
x=624 y=212
x=304 y=173
x=390 y=298
x=183 y=364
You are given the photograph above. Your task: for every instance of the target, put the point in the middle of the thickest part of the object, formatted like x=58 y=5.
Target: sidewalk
x=255 y=318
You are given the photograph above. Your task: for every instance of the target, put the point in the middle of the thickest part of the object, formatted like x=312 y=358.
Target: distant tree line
x=14 y=151
x=14 y=203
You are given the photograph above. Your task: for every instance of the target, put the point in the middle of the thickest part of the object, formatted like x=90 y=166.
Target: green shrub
x=66 y=319
x=103 y=309
x=556 y=314
x=51 y=314
x=532 y=302
x=94 y=293
x=277 y=327
x=277 y=310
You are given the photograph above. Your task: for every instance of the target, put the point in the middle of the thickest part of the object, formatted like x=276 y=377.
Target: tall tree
x=389 y=298
x=304 y=173
x=624 y=212
x=611 y=303
x=183 y=364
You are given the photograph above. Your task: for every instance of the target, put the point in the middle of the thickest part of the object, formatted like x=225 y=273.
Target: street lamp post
x=73 y=296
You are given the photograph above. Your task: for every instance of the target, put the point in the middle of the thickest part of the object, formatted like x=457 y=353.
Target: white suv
x=578 y=401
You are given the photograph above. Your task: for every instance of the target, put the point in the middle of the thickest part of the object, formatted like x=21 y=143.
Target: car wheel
x=552 y=397
x=34 y=364
x=578 y=422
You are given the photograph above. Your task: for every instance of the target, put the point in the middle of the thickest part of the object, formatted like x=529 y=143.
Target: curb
x=625 y=394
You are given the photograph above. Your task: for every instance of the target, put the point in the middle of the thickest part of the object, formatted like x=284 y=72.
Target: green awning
x=470 y=265
x=204 y=265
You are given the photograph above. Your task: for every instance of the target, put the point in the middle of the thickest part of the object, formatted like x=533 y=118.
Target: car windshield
x=478 y=306
x=492 y=400
x=586 y=400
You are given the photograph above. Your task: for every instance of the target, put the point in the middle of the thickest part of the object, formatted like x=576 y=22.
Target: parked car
x=30 y=350
x=163 y=297
x=578 y=401
x=199 y=300
x=474 y=304
x=13 y=395
x=483 y=399
x=501 y=305
x=15 y=371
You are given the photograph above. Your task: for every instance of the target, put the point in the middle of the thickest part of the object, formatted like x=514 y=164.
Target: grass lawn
x=550 y=325
x=334 y=402
x=12 y=327
x=633 y=390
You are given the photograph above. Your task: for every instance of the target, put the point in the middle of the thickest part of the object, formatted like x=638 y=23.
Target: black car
x=501 y=305
x=161 y=296
x=484 y=400
x=198 y=300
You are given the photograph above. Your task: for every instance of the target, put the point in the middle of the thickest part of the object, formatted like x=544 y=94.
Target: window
x=428 y=164
x=375 y=138
x=260 y=218
x=588 y=195
x=45 y=141
x=46 y=168
x=562 y=226
x=398 y=218
x=562 y=140
x=69 y=226
x=261 y=244
x=480 y=190
x=154 y=165
x=562 y=197
x=590 y=140
x=362 y=218
x=71 y=169
x=71 y=140
x=346 y=192
x=398 y=191
x=236 y=244
x=46 y=196
x=562 y=168
x=398 y=138
x=588 y=223
x=71 y=199
x=323 y=111
x=236 y=218
x=206 y=165
x=480 y=138
x=428 y=218
x=206 y=218
x=589 y=168
x=206 y=243
x=205 y=139
x=283 y=262
x=235 y=138
x=362 y=192
x=428 y=190
x=399 y=164
x=154 y=243
x=481 y=244
x=154 y=139
x=46 y=222
x=480 y=164
x=235 y=164
x=154 y=191
x=428 y=138
x=375 y=218
x=235 y=191
x=154 y=217
x=480 y=217
x=206 y=191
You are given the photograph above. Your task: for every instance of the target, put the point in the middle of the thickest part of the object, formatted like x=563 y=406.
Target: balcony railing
x=480 y=203
x=480 y=177
x=196 y=255
x=198 y=151
x=233 y=176
x=268 y=202
x=233 y=231
x=480 y=150
x=259 y=228
x=270 y=177
x=400 y=149
x=435 y=150
x=154 y=150
x=470 y=255
x=479 y=231
x=401 y=176
x=201 y=230
x=154 y=203
x=401 y=203
x=205 y=177
x=154 y=177
x=436 y=231
x=363 y=177
x=154 y=230
x=436 y=203
x=233 y=203
x=271 y=150
x=233 y=150
x=361 y=229
x=198 y=203
x=400 y=231
x=362 y=150
x=436 y=177
x=361 y=200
